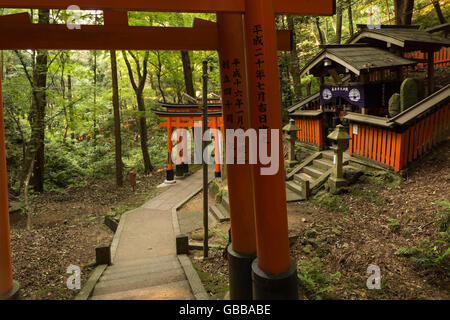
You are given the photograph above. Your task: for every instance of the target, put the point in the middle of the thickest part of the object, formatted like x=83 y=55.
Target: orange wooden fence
x=396 y=149
x=441 y=58
x=311 y=131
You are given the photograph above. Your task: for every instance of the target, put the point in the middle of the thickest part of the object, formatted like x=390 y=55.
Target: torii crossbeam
x=247 y=41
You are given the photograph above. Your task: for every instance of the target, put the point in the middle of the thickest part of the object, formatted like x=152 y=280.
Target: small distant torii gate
x=246 y=39
x=189 y=116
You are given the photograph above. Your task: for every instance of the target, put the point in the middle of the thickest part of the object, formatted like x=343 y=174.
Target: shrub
x=315 y=282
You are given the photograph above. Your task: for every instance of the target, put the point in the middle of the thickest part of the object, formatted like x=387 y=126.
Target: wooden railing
x=311 y=131
x=402 y=139
x=441 y=57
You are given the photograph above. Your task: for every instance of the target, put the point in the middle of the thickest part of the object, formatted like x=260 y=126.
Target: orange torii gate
x=189 y=116
x=246 y=39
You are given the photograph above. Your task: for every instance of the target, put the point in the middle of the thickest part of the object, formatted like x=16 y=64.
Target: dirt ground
x=366 y=226
x=66 y=229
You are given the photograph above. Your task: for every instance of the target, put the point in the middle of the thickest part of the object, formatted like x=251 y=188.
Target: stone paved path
x=145 y=264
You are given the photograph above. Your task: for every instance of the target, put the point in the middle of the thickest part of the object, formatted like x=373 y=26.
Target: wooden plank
x=393 y=149
x=370 y=143
x=350 y=149
x=375 y=144
x=433 y=129
x=416 y=140
x=421 y=134
x=429 y=130
x=398 y=151
x=411 y=143
x=308 y=130
x=388 y=150
x=321 y=138
x=358 y=150
x=366 y=142
x=305 y=7
x=383 y=146
x=379 y=133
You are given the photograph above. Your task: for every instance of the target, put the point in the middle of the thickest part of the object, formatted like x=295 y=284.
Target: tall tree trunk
x=95 y=96
x=350 y=18
x=295 y=65
x=139 y=92
x=159 y=75
x=71 y=108
x=317 y=22
x=338 y=22
x=189 y=83
x=143 y=132
x=403 y=11
x=116 y=108
x=388 y=11
x=40 y=103
x=440 y=15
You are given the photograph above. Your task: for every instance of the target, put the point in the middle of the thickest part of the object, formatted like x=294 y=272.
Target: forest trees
x=62 y=108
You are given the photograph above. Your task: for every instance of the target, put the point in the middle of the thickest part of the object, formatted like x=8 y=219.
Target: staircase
x=312 y=173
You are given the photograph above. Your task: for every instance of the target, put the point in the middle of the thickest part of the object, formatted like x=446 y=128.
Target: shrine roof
x=410 y=38
x=354 y=58
x=184 y=106
x=163 y=113
x=303 y=102
x=441 y=27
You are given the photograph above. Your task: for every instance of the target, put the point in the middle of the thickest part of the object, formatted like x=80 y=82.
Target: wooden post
x=216 y=148
x=274 y=274
x=242 y=250
x=205 y=164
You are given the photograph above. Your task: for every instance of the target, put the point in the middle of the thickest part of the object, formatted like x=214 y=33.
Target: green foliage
x=429 y=254
x=433 y=254
x=334 y=203
x=394 y=224
x=316 y=283
x=443 y=224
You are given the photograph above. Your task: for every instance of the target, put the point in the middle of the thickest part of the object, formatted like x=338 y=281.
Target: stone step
x=312 y=171
x=300 y=177
x=180 y=290
x=291 y=185
x=323 y=164
x=138 y=270
x=140 y=281
x=328 y=156
x=226 y=203
x=219 y=212
x=147 y=262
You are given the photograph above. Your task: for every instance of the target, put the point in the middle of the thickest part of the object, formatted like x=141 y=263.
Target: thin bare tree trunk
x=350 y=18
x=317 y=21
x=339 y=22
x=189 y=83
x=116 y=107
x=25 y=194
x=295 y=65
x=439 y=13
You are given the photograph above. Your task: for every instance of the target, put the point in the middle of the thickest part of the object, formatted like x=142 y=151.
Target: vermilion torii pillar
x=273 y=271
